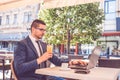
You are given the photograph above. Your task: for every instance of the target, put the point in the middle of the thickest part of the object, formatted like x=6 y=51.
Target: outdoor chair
x=3 y=66
x=13 y=74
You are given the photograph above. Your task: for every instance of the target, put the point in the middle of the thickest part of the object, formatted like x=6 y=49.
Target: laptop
x=93 y=59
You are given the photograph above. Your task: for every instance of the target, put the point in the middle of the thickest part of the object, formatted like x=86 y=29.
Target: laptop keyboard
x=78 y=66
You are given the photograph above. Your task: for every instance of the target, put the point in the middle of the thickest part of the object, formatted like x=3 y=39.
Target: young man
x=29 y=55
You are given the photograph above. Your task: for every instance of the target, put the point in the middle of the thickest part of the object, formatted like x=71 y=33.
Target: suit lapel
x=32 y=46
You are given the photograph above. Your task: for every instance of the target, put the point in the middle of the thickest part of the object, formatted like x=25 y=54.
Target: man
x=28 y=57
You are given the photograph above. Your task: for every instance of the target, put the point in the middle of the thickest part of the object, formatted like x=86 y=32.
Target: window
x=15 y=19
x=110 y=6
x=0 y=20
x=4 y=44
x=7 y=19
x=27 y=17
x=110 y=9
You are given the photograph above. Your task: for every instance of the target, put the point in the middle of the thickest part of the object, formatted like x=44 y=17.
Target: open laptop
x=93 y=58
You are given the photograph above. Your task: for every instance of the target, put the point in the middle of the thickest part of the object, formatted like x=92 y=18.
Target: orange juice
x=49 y=48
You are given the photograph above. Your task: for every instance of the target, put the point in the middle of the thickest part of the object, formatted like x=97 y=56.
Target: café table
x=5 y=66
x=97 y=73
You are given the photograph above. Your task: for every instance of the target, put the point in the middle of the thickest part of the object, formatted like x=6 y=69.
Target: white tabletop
x=97 y=73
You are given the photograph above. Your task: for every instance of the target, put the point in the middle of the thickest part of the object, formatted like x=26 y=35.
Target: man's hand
x=78 y=62
x=44 y=57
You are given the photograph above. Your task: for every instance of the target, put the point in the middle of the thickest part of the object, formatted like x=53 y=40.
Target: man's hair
x=36 y=22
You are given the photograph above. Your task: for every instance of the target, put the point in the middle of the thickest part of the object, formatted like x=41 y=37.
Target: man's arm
x=21 y=63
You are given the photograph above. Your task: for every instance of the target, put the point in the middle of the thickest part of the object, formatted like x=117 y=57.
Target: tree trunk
x=68 y=41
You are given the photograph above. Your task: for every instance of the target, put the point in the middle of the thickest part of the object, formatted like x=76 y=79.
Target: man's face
x=38 y=32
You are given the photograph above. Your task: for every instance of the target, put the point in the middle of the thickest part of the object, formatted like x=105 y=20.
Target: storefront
x=8 y=41
x=110 y=40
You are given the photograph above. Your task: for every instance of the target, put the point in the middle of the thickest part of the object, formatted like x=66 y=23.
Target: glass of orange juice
x=49 y=48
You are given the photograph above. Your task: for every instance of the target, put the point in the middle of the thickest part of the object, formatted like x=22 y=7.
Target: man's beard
x=40 y=37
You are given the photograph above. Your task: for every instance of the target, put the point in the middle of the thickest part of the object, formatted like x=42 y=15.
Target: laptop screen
x=94 y=56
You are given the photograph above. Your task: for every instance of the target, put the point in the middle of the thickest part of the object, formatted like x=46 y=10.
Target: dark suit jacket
x=25 y=62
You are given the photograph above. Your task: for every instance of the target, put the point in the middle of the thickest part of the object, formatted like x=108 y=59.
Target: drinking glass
x=49 y=48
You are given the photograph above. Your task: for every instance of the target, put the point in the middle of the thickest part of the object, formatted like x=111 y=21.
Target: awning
x=8 y=4
x=62 y=3
x=12 y=36
x=116 y=33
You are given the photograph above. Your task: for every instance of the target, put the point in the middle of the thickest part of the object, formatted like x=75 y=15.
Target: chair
x=4 y=66
x=111 y=63
x=13 y=71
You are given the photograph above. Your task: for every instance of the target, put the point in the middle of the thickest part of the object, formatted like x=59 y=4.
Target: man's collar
x=31 y=37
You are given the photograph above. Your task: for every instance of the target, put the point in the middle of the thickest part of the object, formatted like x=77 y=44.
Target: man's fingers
x=79 y=62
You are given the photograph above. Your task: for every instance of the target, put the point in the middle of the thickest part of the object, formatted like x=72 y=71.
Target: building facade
x=15 y=22
x=111 y=26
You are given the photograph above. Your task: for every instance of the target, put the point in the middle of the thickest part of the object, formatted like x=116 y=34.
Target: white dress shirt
x=35 y=44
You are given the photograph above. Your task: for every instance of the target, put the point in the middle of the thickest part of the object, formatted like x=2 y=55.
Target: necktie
x=39 y=46
x=43 y=64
